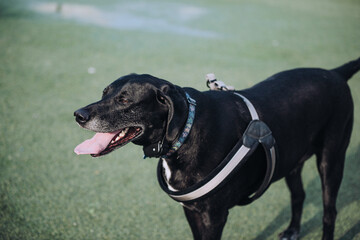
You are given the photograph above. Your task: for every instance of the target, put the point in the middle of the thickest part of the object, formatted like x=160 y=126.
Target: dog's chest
x=167 y=173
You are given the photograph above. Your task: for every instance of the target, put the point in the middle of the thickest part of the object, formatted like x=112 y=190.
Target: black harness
x=256 y=133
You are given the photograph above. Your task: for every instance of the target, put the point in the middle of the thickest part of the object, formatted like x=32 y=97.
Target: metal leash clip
x=214 y=84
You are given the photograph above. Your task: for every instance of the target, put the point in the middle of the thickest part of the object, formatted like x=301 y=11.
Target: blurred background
x=57 y=56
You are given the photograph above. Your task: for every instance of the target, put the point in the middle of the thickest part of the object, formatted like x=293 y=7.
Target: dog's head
x=135 y=108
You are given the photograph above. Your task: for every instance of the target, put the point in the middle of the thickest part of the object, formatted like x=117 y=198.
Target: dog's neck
x=187 y=128
x=164 y=149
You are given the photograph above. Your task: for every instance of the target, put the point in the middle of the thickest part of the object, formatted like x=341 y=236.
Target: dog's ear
x=177 y=110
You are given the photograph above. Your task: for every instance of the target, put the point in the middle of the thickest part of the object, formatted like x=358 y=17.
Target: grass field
x=57 y=57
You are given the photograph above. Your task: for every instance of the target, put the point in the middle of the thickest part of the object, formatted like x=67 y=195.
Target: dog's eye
x=161 y=99
x=122 y=100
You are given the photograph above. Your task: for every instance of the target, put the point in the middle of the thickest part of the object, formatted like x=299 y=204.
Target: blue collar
x=187 y=128
x=159 y=149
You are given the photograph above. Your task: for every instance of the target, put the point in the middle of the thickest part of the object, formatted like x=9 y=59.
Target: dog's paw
x=289 y=234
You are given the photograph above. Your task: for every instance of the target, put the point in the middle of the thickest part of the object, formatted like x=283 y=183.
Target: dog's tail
x=348 y=69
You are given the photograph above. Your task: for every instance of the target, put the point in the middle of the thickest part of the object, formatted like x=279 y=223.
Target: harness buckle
x=214 y=84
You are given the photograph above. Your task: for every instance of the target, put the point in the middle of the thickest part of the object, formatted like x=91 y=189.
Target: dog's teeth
x=112 y=141
x=122 y=134
x=117 y=138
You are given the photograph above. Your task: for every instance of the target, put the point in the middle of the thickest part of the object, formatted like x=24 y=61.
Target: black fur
x=310 y=111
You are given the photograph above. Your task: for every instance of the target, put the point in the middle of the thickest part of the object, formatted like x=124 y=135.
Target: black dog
x=309 y=111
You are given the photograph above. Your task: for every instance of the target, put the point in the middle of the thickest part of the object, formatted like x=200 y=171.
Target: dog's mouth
x=104 y=143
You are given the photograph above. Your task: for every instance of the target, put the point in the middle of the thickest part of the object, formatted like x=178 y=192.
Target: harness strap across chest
x=257 y=132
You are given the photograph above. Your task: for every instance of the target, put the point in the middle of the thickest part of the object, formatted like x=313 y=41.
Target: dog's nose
x=82 y=116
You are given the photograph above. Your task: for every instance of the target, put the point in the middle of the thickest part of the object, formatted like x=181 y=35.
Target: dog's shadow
x=347 y=195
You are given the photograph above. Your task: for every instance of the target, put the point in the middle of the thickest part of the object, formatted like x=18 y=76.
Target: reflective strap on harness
x=215 y=181
x=256 y=133
x=251 y=108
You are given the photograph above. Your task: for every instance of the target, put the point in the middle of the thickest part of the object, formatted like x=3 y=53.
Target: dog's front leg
x=207 y=224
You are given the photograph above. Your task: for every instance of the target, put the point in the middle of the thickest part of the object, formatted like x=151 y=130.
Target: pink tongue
x=96 y=144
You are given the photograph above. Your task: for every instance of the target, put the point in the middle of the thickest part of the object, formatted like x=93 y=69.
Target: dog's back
x=300 y=105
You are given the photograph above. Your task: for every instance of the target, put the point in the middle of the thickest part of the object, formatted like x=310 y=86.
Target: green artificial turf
x=48 y=192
